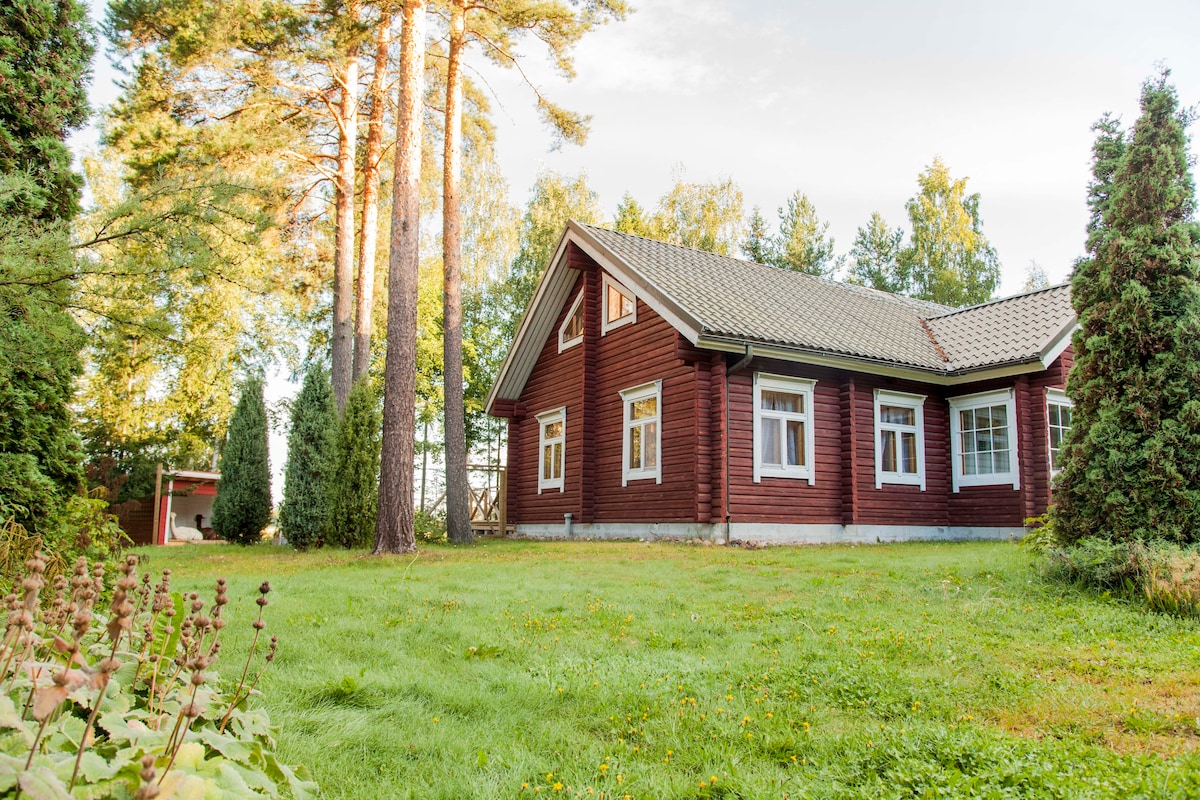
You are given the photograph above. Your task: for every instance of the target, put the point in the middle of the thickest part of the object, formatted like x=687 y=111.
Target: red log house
x=655 y=391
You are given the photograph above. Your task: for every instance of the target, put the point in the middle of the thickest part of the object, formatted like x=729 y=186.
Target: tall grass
x=521 y=669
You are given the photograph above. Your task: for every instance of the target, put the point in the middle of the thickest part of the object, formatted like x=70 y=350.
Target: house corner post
x=850 y=434
x=591 y=343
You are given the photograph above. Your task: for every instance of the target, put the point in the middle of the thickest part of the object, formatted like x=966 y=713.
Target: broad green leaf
x=226 y=745
x=40 y=783
x=180 y=786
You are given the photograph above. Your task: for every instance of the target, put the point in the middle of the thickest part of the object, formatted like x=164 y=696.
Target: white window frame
x=628 y=319
x=631 y=396
x=800 y=386
x=916 y=402
x=544 y=419
x=1056 y=397
x=563 y=342
x=1004 y=397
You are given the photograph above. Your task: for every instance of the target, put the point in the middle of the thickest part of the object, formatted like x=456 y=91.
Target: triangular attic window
x=571 y=332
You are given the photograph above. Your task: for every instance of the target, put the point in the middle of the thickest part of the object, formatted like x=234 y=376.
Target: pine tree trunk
x=394 y=525
x=458 y=505
x=343 y=253
x=364 y=296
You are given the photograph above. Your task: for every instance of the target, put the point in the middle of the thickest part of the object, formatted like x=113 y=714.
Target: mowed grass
x=581 y=669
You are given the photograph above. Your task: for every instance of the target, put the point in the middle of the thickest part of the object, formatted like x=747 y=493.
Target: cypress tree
x=45 y=50
x=304 y=513
x=1132 y=467
x=354 y=491
x=242 y=507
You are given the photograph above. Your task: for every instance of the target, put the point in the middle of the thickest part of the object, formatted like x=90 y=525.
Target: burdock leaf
x=42 y=784
x=46 y=699
x=9 y=718
x=227 y=746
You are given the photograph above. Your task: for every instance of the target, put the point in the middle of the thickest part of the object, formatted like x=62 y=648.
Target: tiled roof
x=1006 y=331
x=746 y=301
x=727 y=303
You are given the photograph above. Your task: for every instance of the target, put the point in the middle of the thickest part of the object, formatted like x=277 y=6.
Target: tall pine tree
x=242 y=507
x=1132 y=466
x=304 y=513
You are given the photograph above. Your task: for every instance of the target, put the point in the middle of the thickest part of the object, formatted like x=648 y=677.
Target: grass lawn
x=535 y=669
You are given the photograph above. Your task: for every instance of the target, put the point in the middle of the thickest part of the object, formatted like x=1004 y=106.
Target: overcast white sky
x=848 y=102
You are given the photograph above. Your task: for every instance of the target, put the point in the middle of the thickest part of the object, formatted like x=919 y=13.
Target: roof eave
x=870 y=366
x=538 y=321
x=527 y=321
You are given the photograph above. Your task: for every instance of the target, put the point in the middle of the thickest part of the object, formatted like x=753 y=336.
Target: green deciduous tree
x=804 y=243
x=948 y=259
x=1035 y=278
x=242 y=507
x=875 y=257
x=1132 y=458
x=555 y=200
x=304 y=512
x=354 y=488
x=706 y=216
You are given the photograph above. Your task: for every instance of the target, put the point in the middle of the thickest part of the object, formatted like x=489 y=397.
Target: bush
x=429 y=527
x=1162 y=574
x=138 y=687
x=79 y=527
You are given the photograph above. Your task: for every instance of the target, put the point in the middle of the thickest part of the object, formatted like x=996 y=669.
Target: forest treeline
x=242 y=213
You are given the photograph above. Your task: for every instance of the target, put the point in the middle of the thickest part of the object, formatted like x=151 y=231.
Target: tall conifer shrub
x=354 y=491
x=1132 y=467
x=304 y=513
x=242 y=507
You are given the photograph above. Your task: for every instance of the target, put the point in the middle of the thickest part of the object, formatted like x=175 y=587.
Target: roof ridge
x=986 y=303
x=879 y=294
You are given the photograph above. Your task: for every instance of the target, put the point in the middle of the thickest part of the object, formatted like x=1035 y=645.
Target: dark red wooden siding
x=554 y=383
x=707 y=437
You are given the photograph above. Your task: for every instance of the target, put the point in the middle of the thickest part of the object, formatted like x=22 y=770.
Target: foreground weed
x=125 y=702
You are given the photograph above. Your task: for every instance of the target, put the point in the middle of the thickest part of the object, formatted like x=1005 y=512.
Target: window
x=783 y=442
x=552 y=442
x=983 y=440
x=899 y=438
x=1058 y=414
x=620 y=307
x=571 y=332
x=643 y=433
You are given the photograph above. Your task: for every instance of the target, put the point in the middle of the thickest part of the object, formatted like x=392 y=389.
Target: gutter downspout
x=743 y=362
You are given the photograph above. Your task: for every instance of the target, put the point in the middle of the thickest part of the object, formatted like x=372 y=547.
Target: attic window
x=620 y=306
x=571 y=332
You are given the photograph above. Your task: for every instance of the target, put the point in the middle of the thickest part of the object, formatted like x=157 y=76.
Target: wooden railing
x=488 y=499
